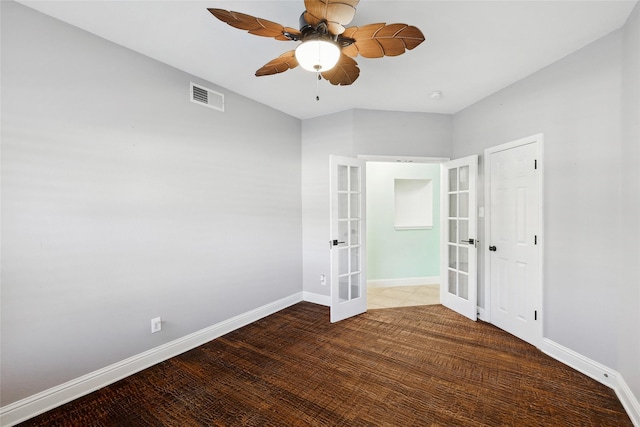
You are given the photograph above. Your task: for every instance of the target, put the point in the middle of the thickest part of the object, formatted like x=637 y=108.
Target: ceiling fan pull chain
x=318 y=87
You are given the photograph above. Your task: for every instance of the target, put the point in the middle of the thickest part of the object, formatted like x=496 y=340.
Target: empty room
x=202 y=203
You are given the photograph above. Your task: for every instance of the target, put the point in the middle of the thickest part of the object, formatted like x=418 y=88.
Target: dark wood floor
x=412 y=366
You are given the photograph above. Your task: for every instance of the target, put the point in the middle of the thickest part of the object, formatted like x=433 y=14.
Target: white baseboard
x=317 y=298
x=580 y=363
x=598 y=372
x=407 y=281
x=629 y=401
x=29 y=407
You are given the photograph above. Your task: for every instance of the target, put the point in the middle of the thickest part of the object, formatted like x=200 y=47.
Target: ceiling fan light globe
x=317 y=55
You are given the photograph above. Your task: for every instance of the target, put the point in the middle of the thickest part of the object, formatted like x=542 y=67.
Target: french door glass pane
x=343 y=231
x=453 y=259
x=453 y=231
x=453 y=205
x=343 y=178
x=343 y=206
x=355 y=205
x=355 y=233
x=452 y=282
x=343 y=261
x=355 y=259
x=355 y=178
x=463 y=208
x=463 y=264
x=464 y=178
x=343 y=288
x=355 y=286
x=463 y=229
x=463 y=286
x=453 y=179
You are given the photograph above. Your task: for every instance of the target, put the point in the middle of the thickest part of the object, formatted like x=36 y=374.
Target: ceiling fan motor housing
x=304 y=25
x=320 y=31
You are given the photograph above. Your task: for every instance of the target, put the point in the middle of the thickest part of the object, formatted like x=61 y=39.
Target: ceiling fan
x=327 y=47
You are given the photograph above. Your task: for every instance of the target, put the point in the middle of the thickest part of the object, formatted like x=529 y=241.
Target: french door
x=458 y=285
x=347 y=243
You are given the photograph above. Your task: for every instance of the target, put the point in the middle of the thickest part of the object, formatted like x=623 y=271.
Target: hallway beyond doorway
x=402 y=296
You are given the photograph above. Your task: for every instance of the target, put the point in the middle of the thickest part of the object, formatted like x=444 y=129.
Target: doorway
x=403 y=231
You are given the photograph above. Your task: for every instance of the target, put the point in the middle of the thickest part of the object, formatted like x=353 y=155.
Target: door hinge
x=535 y=315
x=535 y=240
x=535 y=163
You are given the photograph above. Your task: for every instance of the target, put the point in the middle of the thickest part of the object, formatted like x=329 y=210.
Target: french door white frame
x=348 y=272
x=538 y=139
x=465 y=302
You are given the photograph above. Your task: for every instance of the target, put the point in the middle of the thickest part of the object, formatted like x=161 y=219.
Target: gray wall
x=353 y=133
x=401 y=134
x=629 y=329
x=576 y=103
x=321 y=136
x=122 y=201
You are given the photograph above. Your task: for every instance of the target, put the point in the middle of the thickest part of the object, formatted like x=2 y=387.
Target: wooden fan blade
x=256 y=26
x=284 y=62
x=344 y=73
x=336 y=13
x=378 y=40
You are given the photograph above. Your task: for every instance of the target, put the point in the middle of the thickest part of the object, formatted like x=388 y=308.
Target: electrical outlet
x=156 y=325
x=323 y=279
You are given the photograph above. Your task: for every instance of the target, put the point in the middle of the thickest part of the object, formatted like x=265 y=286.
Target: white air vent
x=207 y=97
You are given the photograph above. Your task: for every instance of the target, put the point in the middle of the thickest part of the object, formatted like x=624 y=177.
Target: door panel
x=458 y=290
x=348 y=277
x=513 y=198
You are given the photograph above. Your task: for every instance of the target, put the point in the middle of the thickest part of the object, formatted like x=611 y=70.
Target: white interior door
x=458 y=286
x=514 y=191
x=348 y=272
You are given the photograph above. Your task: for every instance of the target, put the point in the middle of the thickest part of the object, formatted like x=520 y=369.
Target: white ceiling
x=472 y=48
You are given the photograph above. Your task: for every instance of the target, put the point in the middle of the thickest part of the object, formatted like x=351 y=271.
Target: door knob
x=336 y=243
x=492 y=248
x=470 y=241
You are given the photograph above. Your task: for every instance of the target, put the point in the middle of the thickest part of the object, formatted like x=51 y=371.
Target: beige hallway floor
x=403 y=296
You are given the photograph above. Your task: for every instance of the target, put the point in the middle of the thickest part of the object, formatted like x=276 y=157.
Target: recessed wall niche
x=413 y=204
